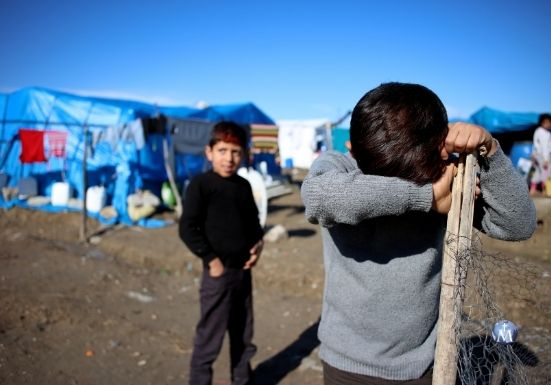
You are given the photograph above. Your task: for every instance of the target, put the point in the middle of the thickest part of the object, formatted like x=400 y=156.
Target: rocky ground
x=122 y=309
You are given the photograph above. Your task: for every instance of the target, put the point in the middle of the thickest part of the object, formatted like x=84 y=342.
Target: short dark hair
x=543 y=118
x=398 y=129
x=230 y=132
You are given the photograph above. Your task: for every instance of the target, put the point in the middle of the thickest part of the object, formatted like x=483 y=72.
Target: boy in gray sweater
x=382 y=210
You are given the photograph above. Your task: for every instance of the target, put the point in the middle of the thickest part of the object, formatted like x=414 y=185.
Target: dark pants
x=334 y=376
x=226 y=304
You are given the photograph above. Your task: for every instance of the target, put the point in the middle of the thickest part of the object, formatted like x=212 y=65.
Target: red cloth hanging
x=32 y=146
x=56 y=141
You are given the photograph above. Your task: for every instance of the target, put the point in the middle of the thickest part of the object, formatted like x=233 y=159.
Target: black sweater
x=220 y=219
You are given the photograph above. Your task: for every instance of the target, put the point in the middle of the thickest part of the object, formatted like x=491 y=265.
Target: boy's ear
x=208 y=152
x=348 y=145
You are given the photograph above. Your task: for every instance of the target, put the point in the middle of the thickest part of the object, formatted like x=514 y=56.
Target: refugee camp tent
x=301 y=141
x=508 y=128
x=498 y=122
x=124 y=144
x=245 y=113
x=514 y=130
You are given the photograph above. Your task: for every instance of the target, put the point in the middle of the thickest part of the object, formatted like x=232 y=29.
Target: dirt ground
x=122 y=309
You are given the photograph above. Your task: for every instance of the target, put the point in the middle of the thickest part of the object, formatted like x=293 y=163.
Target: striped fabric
x=56 y=142
x=264 y=138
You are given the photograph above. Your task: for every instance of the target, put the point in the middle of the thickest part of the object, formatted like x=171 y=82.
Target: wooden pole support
x=83 y=229
x=457 y=243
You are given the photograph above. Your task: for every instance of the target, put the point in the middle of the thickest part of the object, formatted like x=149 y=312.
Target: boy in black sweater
x=220 y=225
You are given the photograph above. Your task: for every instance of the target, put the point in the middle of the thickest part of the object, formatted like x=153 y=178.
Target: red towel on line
x=56 y=143
x=32 y=146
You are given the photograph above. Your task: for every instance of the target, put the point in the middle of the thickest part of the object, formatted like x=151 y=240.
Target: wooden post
x=171 y=179
x=83 y=229
x=457 y=243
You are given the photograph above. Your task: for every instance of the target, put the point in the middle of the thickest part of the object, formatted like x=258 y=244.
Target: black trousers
x=226 y=305
x=334 y=376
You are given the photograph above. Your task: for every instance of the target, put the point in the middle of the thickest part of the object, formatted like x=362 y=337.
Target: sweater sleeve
x=336 y=191
x=191 y=227
x=505 y=210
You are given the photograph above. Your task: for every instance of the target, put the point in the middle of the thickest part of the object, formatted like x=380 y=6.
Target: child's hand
x=466 y=138
x=255 y=251
x=442 y=190
x=216 y=268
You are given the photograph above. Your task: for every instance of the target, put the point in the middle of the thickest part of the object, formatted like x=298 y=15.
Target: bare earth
x=123 y=309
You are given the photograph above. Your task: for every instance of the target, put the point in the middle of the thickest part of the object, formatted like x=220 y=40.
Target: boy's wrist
x=207 y=259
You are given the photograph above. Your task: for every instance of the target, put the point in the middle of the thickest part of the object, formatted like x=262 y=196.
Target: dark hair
x=228 y=132
x=398 y=129
x=542 y=118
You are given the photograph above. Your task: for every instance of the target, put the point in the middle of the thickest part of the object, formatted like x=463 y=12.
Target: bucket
x=95 y=199
x=61 y=192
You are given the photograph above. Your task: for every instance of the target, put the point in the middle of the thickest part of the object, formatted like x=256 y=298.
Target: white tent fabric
x=301 y=140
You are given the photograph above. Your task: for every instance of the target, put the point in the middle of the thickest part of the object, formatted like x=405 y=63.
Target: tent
x=499 y=122
x=513 y=130
x=120 y=157
x=301 y=141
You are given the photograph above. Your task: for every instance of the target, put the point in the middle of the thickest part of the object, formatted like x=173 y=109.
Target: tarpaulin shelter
x=118 y=158
x=513 y=130
x=499 y=122
x=301 y=141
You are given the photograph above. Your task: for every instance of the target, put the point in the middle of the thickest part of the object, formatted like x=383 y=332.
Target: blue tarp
x=246 y=113
x=120 y=166
x=497 y=122
x=511 y=129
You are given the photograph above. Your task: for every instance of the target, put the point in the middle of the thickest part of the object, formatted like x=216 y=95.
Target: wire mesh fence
x=504 y=332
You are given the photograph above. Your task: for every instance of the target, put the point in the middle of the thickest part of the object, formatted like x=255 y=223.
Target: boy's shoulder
x=336 y=159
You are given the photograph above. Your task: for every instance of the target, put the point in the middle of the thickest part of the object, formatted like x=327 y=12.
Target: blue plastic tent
x=246 y=113
x=498 y=122
x=122 y=167
x=513 y=130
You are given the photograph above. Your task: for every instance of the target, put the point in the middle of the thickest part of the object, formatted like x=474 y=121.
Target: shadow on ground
x=272 y=370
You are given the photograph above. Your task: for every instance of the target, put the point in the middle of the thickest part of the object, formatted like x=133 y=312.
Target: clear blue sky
x=294 y=59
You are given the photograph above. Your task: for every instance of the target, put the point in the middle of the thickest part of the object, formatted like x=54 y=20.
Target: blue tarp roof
x=42 y=105
x=497 y=122
x=244 y=113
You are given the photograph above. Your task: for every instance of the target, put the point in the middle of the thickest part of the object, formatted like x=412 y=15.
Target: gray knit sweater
x=382 y=254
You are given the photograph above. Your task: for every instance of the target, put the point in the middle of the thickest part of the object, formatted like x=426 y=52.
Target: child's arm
x=254 y=230
x=255 y=252
x=216 y=267
x=504 y=210
x=336 y=191
x=191 y=227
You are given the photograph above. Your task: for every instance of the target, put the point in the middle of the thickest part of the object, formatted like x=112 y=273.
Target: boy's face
x=225 y=158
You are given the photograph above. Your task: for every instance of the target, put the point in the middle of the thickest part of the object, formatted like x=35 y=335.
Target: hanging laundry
x=56 y=143
x=32 y=146
x=109 y=135
x=127 y=132
x=189 y=136
x=156 y=125
x=133 y=131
